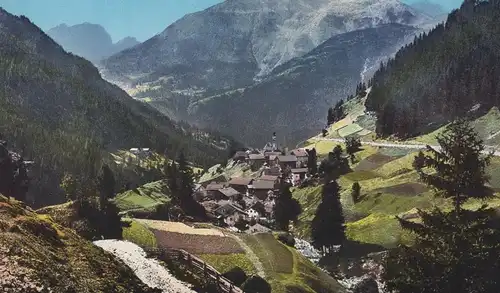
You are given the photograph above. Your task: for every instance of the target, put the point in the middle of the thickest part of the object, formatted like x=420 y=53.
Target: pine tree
x=355 y=192
x=106 y=184
x=330 y=117
x=286 y=208
x=353 y=145
x=460 y=167
x=328 y=225
x=452 y=251
x=312 y=161
x=334 y=166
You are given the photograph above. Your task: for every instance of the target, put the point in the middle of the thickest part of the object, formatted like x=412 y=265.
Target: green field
x=389 y=187
x=225 y=262
x=286 y=270
x=139 y=234
x=143 y=198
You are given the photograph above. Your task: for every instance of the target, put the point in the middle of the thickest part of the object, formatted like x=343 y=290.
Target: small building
x=217 y=178
x=302 y=157
x=298 y=175
x=256 y=161
x=230 y=213
x=260 y=188
x=240 y=184
x=241 y=156
x=273 y=178
x=231 y=193
x=213 y=191
x=274 y=171
x=287 y=161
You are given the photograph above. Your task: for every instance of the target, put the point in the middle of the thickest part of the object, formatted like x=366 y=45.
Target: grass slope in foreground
x=38 y=253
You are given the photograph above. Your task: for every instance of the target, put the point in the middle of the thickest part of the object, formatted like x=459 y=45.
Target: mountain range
x=57 y=110
x=237 y=47
x=90 y=41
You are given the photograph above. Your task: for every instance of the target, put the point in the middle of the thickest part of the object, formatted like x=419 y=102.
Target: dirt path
x=251 y=256
x=150 y=271
x=407 y=146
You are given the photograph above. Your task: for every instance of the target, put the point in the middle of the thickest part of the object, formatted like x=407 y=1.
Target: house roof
x=214 y=187
x=229 y=191
x=287 y=158
x=272 y=154
x=240 y=154
x=273 y=157
x=299 y=170
x=210 y=206
x=268 y=178
x=263 y=184
x=240 y=181
x=256 y=157
x=299 y=152
x=228 y=209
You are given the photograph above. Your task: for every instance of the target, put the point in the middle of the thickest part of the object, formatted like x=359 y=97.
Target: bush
x=236 y=275
x=256 y=284
x=286 y=239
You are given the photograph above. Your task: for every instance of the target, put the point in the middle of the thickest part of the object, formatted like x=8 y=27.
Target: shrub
x=286 y=239
x=236 y=275
x=256 y=284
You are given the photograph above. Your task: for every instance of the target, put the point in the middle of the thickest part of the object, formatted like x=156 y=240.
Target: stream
x=349 y=282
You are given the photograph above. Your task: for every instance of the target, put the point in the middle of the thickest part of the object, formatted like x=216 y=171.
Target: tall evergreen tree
x=453 y=252
x=355 y=192
x=353 y=145
x=286 y=208
x=106 y=184
x=335 y=165
x=312 y=161
x=460 y=167
x=328 y=225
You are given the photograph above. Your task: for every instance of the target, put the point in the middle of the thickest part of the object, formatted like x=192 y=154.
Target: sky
x=141 y=19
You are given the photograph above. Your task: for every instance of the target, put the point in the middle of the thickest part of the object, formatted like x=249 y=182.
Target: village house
x=274 y=171
x=241 y=156
x=229 y=213
x=287 y=161
x=213 y=191
x=298 y=175
x=231 y=193
x=272 y=178
x=256 y=161
x=302 y=157
x=260 y=188
x=240 y=184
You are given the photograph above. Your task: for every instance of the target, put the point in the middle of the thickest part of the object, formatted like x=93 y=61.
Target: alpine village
x=272 y=146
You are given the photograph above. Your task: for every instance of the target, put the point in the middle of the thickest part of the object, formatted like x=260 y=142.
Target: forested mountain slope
x=444 y=74
x=57 y=110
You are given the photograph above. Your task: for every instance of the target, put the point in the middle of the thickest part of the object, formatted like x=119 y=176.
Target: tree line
x=441 y=75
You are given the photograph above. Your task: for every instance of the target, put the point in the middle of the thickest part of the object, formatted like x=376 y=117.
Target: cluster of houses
x=252 y=198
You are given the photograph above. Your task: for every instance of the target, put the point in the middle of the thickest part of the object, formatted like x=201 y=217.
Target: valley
x=270 y=146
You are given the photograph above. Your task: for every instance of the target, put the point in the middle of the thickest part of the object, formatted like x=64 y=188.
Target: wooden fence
x=197 y=267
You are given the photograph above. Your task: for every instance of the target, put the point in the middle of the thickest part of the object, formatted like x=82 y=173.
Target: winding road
x=488 y=148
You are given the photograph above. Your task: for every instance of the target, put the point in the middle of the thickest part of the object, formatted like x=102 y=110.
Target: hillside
x=450 y=72
x=57 y=110
x=38 y=255
x=90 y=41
x=389 y=185
x=262 y=254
